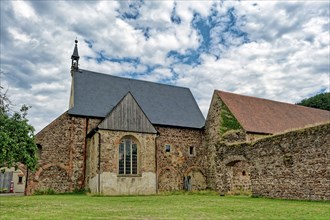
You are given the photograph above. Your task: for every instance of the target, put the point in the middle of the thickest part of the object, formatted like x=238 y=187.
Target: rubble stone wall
x=186 y=157
x=62 y=149
x=292 y=165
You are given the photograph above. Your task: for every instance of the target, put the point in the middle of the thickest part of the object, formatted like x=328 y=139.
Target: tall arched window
x=128 y=157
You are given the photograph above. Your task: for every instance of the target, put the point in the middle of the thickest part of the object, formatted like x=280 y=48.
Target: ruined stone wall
x=253 y=137
x=181 y=160
x=214 y=135
x=61 y=155
x=240 y=181
x=109 y=181
x=212 y=124
x=293 y=165
x=221 y=125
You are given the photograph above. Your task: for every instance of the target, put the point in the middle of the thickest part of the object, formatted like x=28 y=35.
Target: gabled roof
x=96 y=94
x=127 y=116
x=258 y=115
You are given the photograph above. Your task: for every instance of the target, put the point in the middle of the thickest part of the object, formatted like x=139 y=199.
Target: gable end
x=127 y=115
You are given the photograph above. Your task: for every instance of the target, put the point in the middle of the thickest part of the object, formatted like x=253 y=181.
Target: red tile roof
x=258 y=115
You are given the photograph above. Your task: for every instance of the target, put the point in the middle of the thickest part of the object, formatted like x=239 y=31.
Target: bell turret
x=75 y=58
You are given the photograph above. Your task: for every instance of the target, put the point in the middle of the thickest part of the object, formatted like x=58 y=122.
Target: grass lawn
x=195 y=206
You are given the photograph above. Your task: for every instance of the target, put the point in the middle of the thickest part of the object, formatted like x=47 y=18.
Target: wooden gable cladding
x=127 y=116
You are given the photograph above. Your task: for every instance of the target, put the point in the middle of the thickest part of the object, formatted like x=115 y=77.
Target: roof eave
x=259 y=132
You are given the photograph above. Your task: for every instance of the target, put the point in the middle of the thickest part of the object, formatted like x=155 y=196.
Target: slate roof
x=258 y=115
x=96 y=94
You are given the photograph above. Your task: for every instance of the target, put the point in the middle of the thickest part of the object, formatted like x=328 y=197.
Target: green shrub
x=80 y=191
x=44 y=192
x=2 y=190
x=256 y=196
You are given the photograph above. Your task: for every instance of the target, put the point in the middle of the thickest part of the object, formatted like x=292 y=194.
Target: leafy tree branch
x=17 y=144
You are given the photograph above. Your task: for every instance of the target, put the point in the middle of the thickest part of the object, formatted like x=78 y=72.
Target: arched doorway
x=194 y=179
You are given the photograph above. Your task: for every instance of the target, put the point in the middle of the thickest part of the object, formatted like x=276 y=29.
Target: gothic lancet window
x=128 y=158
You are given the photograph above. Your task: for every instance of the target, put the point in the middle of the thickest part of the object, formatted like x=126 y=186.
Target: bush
x=44 y=192
x=3 y=190
x=79 y=191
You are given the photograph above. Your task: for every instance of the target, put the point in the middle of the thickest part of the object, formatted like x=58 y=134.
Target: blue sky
x=270 y=49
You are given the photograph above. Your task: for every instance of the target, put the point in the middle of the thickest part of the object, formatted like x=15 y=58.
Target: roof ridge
x=141 y=80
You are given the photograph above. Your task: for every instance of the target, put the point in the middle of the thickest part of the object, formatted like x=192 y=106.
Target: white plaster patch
x=111 y=184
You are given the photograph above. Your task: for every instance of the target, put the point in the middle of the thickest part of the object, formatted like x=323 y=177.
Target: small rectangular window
x=191 y=151
x=39 y=151
x=167 y=148
x=20 y=180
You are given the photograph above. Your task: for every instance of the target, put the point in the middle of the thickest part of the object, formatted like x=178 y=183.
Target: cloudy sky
x=270 y=49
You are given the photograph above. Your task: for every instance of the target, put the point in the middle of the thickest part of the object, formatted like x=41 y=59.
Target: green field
x=182 y=206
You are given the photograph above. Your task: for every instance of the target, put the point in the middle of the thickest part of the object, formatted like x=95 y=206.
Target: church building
x=122 y=136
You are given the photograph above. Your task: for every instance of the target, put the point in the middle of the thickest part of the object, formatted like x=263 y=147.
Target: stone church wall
x=109 y=182
x=292 y=165
x=186 y=157
x=64 y=149
x=61 y=154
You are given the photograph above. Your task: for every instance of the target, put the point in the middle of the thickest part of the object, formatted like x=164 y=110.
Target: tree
x=17 y=144
x=320 y=101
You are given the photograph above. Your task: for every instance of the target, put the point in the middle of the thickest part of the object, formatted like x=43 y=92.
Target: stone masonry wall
x=292 y=165
x=173 y=166
x=240 y=178
x=212 y=129
x=212 y=124
x=213 y=135
x=109 y=181
x=61 y=157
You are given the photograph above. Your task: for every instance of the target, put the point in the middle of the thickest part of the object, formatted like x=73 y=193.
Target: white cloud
x=23 y=9
x=286 y=58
